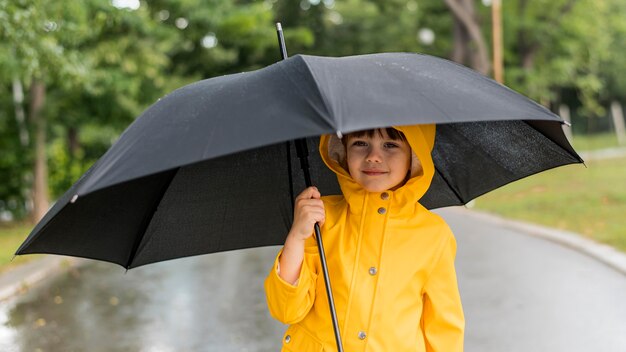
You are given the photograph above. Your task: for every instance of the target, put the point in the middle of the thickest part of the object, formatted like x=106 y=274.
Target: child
x=390 y=260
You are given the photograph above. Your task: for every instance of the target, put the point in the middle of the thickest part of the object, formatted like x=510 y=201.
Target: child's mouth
x=373 y=173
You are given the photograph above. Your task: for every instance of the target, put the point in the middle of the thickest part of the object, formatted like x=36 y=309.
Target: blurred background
x=74 y=75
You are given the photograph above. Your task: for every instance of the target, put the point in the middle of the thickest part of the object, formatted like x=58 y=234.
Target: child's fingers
x=314 y=216
x=312 y=202
x=307 y=205
x=310 y=211
x=321 y=219
x=314 y=209
x=308 y=193
x=316 y=193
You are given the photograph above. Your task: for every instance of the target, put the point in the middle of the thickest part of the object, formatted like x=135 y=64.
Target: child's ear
x=337 y=151
x=415 y=168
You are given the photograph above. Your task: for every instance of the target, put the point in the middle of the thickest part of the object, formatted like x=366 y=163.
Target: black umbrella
x=210 y=167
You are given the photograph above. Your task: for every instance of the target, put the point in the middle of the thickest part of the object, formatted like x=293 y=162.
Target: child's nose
x=374 y=156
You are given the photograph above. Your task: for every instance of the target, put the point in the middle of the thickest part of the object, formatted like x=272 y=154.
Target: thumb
x=315 y=193
x=307 y=193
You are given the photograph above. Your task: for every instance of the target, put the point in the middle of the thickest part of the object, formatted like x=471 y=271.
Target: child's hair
x=393 y=133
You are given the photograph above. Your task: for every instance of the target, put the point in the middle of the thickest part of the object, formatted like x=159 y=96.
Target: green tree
x=353 y=27
x=217 y=37
x=126 y=51
x=556 y=44
x=35 y=56
x=96 y=64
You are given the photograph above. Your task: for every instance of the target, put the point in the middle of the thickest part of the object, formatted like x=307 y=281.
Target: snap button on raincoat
x=392 y=270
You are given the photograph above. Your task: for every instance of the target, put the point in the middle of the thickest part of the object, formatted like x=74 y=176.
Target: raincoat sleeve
x=289 y=303
x=443 y=322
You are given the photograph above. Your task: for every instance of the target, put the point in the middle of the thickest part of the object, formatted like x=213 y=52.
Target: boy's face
x=378 y=163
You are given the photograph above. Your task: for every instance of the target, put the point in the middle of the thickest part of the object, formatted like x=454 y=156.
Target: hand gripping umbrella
x=210 y=167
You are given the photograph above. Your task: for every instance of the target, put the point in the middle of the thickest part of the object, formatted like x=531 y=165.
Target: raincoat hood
x=421 y=138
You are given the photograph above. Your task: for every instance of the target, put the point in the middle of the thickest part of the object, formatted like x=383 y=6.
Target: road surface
x=520 y=293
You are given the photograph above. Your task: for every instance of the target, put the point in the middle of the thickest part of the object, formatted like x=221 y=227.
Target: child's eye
x=359 y=143
x=391 y=145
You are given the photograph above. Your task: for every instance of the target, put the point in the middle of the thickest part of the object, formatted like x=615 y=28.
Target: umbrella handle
x=303 y=154
x=329 y=291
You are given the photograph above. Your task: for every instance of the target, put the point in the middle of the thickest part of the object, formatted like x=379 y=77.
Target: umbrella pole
x=303 y=154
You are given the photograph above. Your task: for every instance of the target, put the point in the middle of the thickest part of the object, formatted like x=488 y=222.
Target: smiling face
x=377 y=161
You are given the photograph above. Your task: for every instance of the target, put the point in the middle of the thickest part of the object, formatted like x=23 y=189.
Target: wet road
x=520 y=293
x=209 y=303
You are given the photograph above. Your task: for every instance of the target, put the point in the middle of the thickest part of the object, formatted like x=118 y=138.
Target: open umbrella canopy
x=210 y=167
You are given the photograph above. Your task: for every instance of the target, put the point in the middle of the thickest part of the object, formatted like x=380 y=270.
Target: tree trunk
x=460 y=38
x=468 y=39
x=40 y=182
x=18 y=102
x=496 y=25
x=618 y=121
x=564 y=112
x=72 y=141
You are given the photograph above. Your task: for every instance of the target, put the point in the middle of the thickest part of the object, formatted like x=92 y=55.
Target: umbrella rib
x=576 y=156
x=514 y=178
x=449 y=185
x=327 y=106
x=148 y=219
x=57 y=208
x=288 y=145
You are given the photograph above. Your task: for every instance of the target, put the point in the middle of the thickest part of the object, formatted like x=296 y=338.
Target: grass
x=11 y=236
x=590 y=201
x=595 y=141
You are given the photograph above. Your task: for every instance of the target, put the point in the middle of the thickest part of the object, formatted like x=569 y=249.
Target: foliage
x=13 y=161
x=353 y=27
x=35 y=40
x=99 y=63
x=556 y=45
x=613 y=64
x=103 y=65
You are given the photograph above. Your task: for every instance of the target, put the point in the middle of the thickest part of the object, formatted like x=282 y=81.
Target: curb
x=598 y=251
x=20 y=279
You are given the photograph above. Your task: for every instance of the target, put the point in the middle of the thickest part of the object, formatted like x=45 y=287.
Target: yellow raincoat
x=391 y=265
